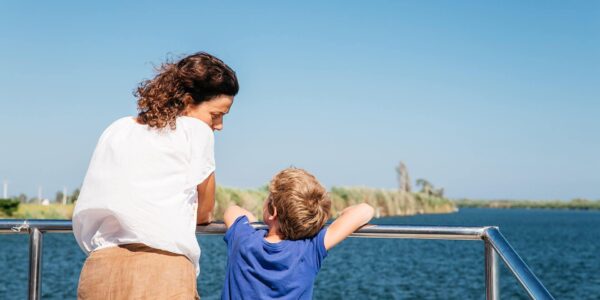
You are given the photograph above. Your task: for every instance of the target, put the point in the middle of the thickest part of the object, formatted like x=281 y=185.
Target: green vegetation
x=39 y=211
x=250 y=199
x=8 y=206
x=582 y=204
x=390 y=202
x=386 y=202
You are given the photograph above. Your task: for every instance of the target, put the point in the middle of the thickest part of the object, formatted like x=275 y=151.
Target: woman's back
x=150 y=181
x=141 y=187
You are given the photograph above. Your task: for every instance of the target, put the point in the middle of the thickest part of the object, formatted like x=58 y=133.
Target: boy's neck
x=274 y=236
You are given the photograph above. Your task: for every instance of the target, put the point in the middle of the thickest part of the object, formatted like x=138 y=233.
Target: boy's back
x=282 y=263
x=257 y=268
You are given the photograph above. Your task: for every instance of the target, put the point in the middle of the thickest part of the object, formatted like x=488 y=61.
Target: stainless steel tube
x=369 y=231
x=492 y=289
x=35 y=263
x=535 y=289
x=420 y=232
x=386 y=231
x=21 y=226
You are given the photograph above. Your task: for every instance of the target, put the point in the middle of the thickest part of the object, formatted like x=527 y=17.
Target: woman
x=150 y=181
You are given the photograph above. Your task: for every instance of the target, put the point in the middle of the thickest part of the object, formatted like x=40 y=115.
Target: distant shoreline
x=575 y=204
x=388 y=203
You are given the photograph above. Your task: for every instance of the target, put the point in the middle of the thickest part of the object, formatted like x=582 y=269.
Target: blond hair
x=302 y=203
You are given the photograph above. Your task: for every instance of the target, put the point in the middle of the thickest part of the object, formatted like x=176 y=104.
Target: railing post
x=532 y=285
x=492 y=288
x=35 y=263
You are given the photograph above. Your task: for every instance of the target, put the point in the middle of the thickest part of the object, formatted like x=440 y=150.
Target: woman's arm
x=233 y=212
x=206 y=200
x=350 y=220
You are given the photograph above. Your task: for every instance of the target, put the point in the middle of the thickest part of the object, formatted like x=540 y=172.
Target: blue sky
x=488 y=99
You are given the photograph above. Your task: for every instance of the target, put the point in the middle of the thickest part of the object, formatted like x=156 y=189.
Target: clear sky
x=488 y=99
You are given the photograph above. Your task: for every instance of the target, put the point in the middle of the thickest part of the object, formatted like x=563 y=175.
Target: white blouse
x=140 y=187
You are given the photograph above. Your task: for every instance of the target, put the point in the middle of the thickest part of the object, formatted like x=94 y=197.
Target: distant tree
x=21 y=198
x=59 y=196
x=264 y=188
x=426 y=186
x=73 y=197
x=9 y=206
x=403 y=179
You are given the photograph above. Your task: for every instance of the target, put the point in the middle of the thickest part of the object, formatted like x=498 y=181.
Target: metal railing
x=494 y=243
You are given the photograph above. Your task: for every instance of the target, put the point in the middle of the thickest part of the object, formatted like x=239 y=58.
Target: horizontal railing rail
x=493 y=240
x=373 y=231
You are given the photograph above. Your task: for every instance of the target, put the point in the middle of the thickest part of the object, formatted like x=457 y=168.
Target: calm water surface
x=561 y=247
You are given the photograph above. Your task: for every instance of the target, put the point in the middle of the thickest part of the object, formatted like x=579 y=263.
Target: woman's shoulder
x=117 y=125
x=127 y=120
x=194 y=129
x=121 y=122
x=192 y=123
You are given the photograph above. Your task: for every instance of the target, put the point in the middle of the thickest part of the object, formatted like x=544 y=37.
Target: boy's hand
x=350 y=219
x=234 y=212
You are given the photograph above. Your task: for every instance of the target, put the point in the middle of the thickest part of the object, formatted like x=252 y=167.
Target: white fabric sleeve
x=202 y=162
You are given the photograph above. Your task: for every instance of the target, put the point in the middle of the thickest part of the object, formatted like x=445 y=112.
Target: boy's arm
x=234 y=212
x=206 y=200
x=350 y=220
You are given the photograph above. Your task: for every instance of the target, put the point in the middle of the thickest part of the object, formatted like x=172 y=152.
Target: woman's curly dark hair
x=190 y=81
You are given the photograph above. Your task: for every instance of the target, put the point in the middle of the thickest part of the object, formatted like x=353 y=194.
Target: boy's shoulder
x=239 y=228
x=242 y=228
x=311 y=246
x=317 y=238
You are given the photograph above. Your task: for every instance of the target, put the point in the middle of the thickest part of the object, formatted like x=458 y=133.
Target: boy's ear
x=273 y=216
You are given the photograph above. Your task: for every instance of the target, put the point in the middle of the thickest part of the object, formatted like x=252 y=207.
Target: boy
x=283 y=261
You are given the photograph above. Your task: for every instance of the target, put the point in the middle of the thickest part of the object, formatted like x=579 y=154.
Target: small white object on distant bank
x=64 y=196
x=5 y=189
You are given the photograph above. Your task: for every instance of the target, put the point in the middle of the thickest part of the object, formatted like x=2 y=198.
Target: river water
x=561 y=247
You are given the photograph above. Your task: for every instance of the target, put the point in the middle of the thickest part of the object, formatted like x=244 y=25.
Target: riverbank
x=386 y=203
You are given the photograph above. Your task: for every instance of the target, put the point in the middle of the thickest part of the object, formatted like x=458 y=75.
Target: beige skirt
x=136 y=271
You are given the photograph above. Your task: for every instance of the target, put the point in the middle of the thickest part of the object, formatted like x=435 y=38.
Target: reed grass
x=39 y=211
x=386 y=203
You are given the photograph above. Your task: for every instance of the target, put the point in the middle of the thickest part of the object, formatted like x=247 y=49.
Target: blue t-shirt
x=257 y=269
